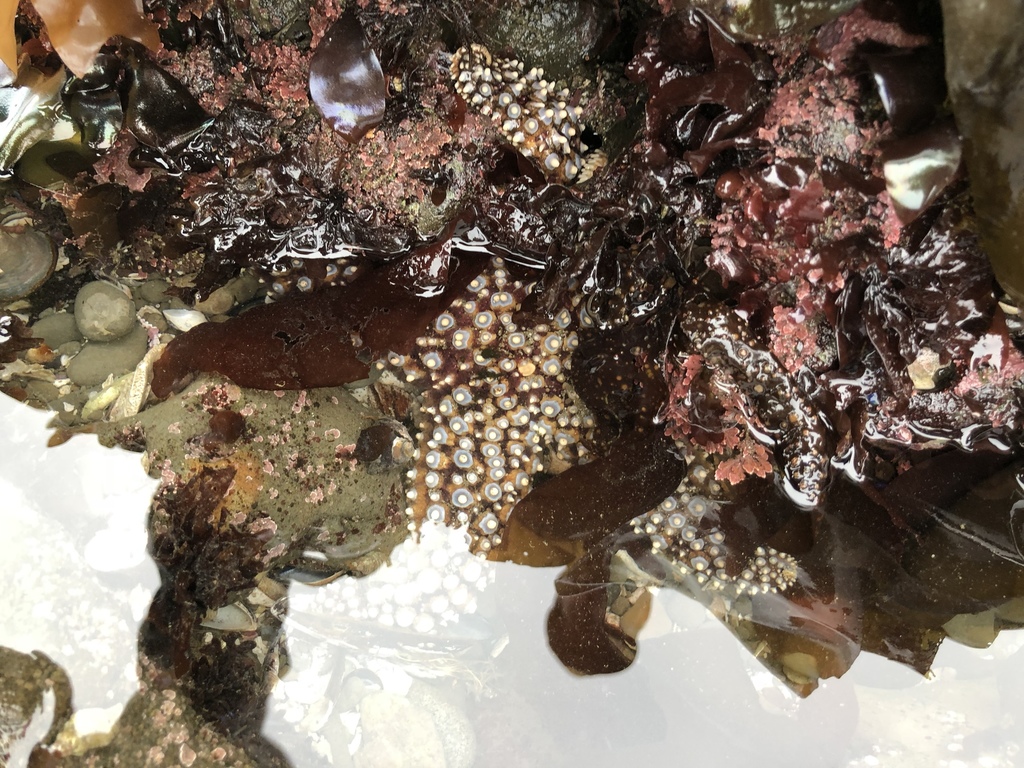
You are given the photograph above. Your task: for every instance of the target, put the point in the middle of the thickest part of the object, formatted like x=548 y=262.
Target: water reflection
x=440 y=658
x=76 y=575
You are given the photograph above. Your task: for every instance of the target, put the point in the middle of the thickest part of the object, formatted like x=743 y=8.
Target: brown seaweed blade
x=323 y=339
x=588 y=501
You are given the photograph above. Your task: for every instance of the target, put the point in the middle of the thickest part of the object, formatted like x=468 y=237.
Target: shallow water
x=78 y=583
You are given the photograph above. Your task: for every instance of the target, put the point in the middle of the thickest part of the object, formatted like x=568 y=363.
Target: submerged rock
x=35 y=702
x=103 y=312
x=99 y=359
x=984 y=64
x=161 y=726
x=57 y=329
x=296 y=487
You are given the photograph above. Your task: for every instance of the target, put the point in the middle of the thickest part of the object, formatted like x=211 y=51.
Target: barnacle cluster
x=682 y=530
x=497 y=409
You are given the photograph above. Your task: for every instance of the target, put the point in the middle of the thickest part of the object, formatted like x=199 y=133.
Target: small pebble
x=217 y=303
x=244 y=287
x=153 y=291
x=97 y=360
x=57 y=329
x=154 y=317
x=41 y=391
x=801 y=668
x=927 y=371
x=238 y=290
x=103 y=312
x=976 y=630
x=69 y=348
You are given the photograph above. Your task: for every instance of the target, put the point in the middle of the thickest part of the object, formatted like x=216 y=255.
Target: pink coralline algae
x=716 y=426
x=773 y=408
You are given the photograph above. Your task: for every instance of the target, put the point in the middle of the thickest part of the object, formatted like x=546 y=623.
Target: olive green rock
x=985 y=74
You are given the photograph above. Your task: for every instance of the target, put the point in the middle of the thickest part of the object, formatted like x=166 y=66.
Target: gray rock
x=154 y=317
x=99 y=359
x=245 y=287
x=160 y=727
x=103 y=312
x=236 y=291
x=300 y=443
x=57 y=329
x=217 y=303
x=69 y=348
x=153 y=291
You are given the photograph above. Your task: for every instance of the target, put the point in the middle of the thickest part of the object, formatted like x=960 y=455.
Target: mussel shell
x=94 y=102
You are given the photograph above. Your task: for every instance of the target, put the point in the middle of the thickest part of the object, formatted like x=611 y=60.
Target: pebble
x=217 y=303
x=976 y=630
x=245 y=287
x=153 y=291
x=69 y=348
x=57 y=329
x=42 y=391
x=801 y=668
x=154 y=317
x=97 y=360
x=238 y=290
x=927 y=370
x=103 y=312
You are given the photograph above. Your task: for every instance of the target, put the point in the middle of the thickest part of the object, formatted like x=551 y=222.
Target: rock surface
x=57 y=329
x=98 y=359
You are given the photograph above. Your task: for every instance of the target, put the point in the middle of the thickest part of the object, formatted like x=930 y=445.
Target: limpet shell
x=27 y=259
